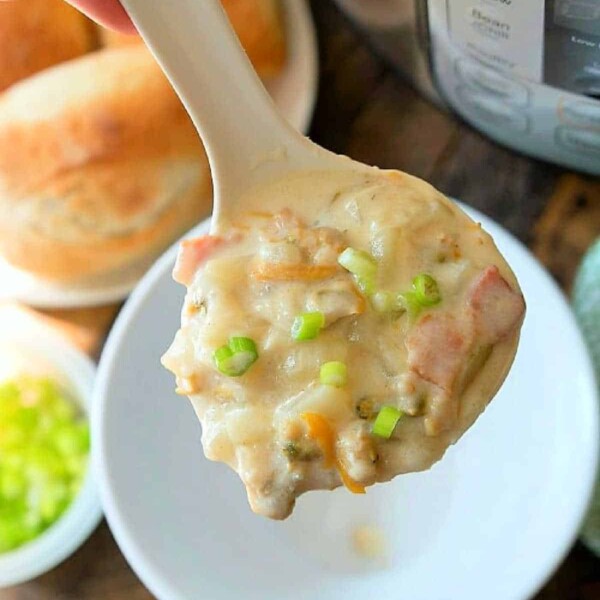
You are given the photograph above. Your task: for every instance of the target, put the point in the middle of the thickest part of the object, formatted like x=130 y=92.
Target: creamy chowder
x=346 y=348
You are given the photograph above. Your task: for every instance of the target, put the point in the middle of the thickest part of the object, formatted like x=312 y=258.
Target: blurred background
x=101 y=170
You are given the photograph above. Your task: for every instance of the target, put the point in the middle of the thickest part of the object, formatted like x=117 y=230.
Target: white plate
x=28 y=346
x=492 y=520
x=294 y=92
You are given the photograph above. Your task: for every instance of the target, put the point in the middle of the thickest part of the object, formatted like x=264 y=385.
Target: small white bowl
x=32 y=348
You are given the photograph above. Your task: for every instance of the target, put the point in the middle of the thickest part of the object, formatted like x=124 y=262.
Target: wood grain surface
x=367 y=111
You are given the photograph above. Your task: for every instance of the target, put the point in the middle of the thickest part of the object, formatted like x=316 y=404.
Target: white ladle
x=246 y=139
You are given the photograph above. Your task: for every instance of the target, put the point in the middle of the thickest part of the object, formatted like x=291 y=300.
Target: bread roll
x=36 y=34
x=99 y=166
x=113 y=39
x=258 y=24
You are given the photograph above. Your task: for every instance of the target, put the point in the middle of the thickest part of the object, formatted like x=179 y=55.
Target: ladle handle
x=198 y=50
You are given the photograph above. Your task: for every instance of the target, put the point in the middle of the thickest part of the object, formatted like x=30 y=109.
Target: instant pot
x=524 y=72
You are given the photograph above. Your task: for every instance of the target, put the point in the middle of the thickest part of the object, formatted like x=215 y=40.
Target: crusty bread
x=113 y=39
x=258 y=24
x=35 y=34
x=99 y=166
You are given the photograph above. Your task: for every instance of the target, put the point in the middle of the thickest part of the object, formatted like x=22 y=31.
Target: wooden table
x=366 y=111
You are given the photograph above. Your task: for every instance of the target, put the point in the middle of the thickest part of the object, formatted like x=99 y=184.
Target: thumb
x=109 y=13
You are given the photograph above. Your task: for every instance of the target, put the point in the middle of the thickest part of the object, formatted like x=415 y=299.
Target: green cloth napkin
x=586 y=302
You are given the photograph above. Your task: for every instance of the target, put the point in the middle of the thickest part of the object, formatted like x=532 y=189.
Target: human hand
x=109 y=13
x=106 y=12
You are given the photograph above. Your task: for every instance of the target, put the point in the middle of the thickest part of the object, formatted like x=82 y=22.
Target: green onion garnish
x=366 y=286
x=384 y=302
x=334 y=373
x=235 y=358
x=426 y=290
x=42 y=438
x=425 y=293
x=363 y=266
x=386 y=421
x=408 y=301
x=359 y=263
x=308 y=325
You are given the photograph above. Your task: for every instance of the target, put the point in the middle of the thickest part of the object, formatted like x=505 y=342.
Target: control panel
x=526 y=72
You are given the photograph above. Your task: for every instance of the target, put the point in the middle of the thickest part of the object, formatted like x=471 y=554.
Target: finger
x=109 y=13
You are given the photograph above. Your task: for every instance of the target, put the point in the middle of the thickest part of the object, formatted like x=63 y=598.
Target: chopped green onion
x=425 y=293
x=13 y=484
x=426 y=290
x=359 y=263
x=366 y=286
x=242 y=344
x=222 y=355
x=40 y=433
x=386 y=421
x=71 y=440
x=409 y=302
x=308 y=325
x=235 y=358
x=53 y=500
x=363 y=266
x=384 y=302
x=334 y=373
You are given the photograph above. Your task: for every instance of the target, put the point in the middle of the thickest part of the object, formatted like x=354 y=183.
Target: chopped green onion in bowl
x=334 y=373
x=44 y=447
x=236 y=357
x=307 y=326
x=386 y=421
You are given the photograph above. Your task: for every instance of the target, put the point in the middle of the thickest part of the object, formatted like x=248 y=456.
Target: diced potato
x=217 y=444
x=336 y=299
x=248 y=425
x=281 y=252
x=328 y=401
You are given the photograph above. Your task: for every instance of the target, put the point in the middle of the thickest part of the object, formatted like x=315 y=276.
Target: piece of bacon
x=441 y=347
x=192 y=254
x=438 y=346
x=495 y=307
x=438 y=349
x=442 y=412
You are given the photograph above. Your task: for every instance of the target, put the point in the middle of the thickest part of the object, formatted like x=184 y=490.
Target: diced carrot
x=351 y=485
x=321 y=430
x=292 y=272
x=192 y=254
x=362 y=303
